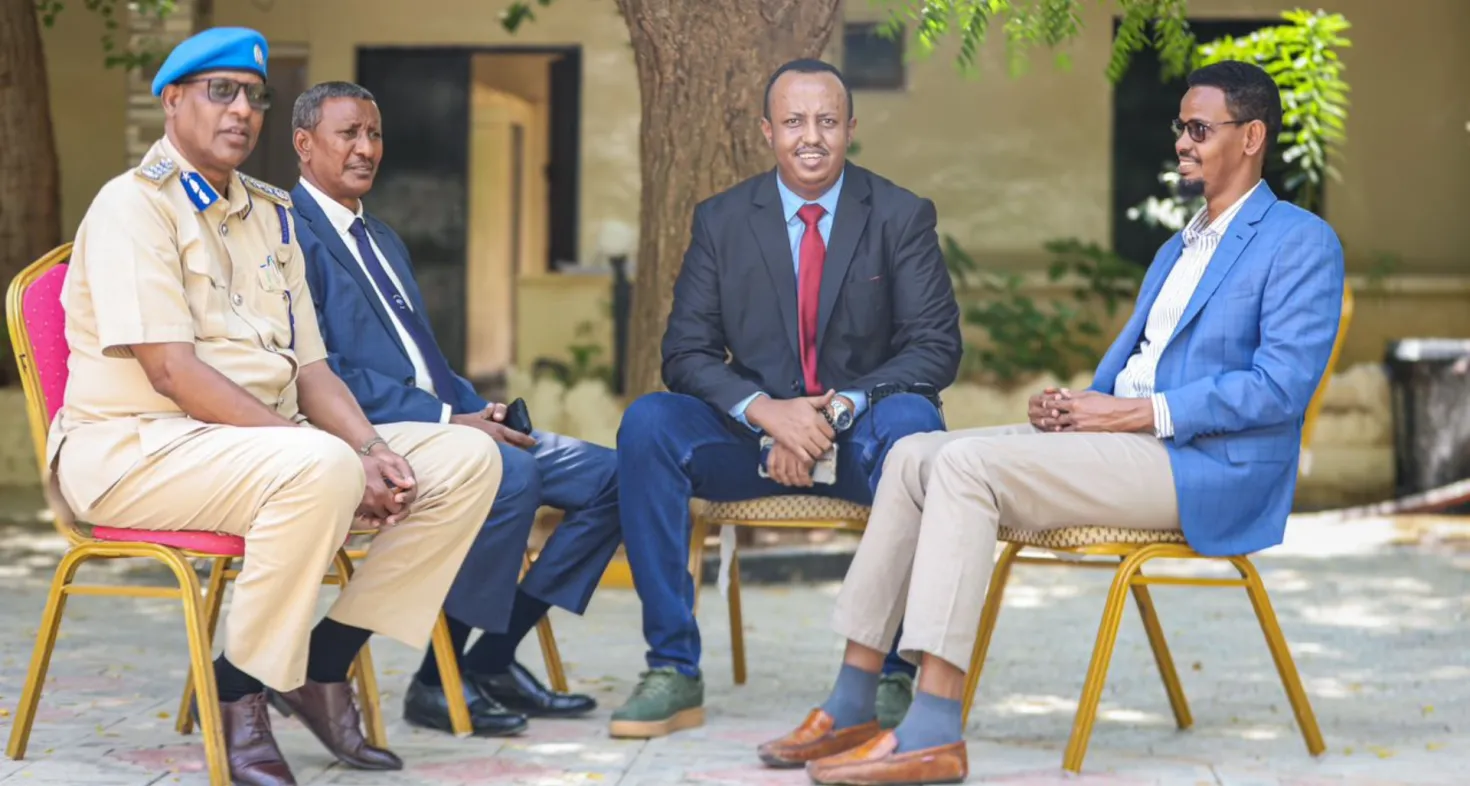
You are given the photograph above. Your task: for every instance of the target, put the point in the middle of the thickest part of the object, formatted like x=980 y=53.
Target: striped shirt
x=1201 y=238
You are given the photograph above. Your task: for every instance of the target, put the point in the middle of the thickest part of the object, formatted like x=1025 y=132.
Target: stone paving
x=1379 y=633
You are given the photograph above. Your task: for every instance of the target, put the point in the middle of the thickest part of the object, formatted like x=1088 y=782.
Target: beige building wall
x=1011 y=163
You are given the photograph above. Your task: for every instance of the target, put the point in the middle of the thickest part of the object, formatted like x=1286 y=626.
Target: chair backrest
x=1314 y=408
x=37 y=323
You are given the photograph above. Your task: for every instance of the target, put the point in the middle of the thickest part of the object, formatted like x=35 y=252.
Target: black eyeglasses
x=1199 y=129
x=223 y=91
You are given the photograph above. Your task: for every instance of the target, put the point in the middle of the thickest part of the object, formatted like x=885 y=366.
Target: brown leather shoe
x=329 y=710
x=815 y=739
x=249 y=745
x=878 y=762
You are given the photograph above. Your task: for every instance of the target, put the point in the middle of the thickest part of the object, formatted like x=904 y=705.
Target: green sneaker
x=664 y=702
x=895 y=694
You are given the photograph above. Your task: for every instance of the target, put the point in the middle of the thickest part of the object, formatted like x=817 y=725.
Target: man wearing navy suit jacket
x=814 y=308
x=1193 y=422
x=378 y=339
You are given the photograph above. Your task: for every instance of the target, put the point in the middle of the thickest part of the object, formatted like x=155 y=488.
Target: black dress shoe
x=519 y=691
x=426 y=706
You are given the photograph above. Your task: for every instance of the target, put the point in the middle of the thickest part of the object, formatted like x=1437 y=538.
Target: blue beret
x=215 y=49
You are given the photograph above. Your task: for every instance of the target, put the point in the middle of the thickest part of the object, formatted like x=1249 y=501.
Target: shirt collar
x=1201 y=226
x=340 y=216
x=201 y=194
x=790 y=202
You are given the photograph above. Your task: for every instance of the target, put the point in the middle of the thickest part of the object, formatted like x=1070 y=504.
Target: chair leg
x=30 y=696
x=551 y=655
x=362 y=671
x=448 y=661
x=737 y=623
x=989 y=613
x=698 y=531
x=1156 y=640
x=1102 y=655
x=214 y=599
x=211 y=725
x=1306 y=719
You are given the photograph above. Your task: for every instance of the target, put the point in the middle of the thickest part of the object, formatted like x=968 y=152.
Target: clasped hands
x=390 y=489
x=801 y=432
x=1064 y=410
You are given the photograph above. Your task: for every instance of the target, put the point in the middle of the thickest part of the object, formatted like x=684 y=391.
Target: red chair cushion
x=191 y=540
x=45 y=321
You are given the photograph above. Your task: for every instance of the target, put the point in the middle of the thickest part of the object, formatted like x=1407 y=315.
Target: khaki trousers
x=929 y=548
x=292 y=493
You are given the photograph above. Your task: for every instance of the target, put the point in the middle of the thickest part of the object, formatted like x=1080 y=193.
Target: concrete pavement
x=1379 y=633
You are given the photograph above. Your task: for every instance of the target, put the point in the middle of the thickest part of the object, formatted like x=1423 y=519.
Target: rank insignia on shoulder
x=266 y=190
x=156 y=171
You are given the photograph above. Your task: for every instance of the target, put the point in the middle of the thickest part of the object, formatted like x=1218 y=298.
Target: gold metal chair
x=36 y=323
x=786 y=512
x=1126 y=551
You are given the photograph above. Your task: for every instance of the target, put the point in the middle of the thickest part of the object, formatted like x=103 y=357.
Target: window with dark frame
x=871 y=60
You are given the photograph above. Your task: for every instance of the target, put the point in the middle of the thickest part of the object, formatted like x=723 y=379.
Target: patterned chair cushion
x=1076 y=537
x=796 y=507
x=45 y=322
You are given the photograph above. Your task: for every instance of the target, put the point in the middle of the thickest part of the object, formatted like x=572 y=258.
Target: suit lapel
x=768 y=223
x=1242 y=228
x=847 y=227
x=308 y=210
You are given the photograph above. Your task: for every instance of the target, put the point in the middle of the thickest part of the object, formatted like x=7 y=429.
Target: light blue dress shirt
x=795 y=229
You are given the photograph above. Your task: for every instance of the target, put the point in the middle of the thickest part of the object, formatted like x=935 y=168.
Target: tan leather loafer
x=815 y=739
x=878 y=762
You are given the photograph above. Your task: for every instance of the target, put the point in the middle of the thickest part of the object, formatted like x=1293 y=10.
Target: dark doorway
x=423 y=186
x=274 y=157
x=1143 y=105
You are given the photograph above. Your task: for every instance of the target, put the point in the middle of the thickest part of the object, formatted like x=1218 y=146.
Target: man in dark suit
x=814 y=308
x=378 y=339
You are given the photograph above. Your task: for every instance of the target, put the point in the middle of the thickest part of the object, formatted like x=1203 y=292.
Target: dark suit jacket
x=887 y=310
x=363 y=347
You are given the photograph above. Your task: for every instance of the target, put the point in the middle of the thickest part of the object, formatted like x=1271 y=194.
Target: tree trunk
x=702 y=69
x=30 y=196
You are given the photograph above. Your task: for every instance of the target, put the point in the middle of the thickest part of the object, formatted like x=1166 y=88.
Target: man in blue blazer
x=378 y=339
x=1193 y=422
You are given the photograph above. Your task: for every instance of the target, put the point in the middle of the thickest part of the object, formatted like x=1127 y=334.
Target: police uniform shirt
x=161 y=256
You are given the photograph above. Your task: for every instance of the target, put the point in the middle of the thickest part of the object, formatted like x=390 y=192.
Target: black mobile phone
x=517 y=418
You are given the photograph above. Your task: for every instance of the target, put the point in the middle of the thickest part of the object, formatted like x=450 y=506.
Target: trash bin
x=1429 y=387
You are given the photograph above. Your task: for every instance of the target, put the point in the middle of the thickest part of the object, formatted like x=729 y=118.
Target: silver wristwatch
x=838 y=415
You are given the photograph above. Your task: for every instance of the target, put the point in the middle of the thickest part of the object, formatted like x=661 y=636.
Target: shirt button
x=237 y=299
x=224 y=230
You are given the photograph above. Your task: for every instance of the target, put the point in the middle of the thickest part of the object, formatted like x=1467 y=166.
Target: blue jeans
x=578 y=477
x=672 y=447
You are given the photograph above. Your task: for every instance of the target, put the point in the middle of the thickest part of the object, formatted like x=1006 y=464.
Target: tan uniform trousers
x=292 y=493
x=929 y=548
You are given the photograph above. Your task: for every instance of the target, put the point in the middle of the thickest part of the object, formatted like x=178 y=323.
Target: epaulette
x=156 y=171
x=266 y=190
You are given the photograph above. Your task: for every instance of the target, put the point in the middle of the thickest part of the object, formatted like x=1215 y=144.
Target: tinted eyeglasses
x=1199 y=130
x=223 y=91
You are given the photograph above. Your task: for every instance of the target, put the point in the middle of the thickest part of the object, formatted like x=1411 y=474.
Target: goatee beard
x=1191 y=189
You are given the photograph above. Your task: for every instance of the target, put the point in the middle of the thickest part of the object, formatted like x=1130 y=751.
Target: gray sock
x=930 y=723
x=854 y=697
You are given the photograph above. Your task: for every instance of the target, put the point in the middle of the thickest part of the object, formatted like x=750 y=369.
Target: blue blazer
x=362 y=345
x=1241 y=368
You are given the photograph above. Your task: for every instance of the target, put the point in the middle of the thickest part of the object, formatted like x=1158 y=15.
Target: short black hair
x=806 y=65
x=308 y=109
x=1250 y=92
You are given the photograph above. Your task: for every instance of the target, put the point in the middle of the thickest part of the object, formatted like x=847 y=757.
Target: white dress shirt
x=1201 y=238
x=342 y=220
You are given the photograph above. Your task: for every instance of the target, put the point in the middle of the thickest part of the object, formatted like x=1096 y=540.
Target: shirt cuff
x=738 y=411
x=859 y=401
x=1163 y=423
x=446 y=414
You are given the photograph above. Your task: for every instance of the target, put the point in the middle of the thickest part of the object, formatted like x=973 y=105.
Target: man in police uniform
x=199 y=399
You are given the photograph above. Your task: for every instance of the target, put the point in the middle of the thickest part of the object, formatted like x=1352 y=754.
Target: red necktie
x=809 y=289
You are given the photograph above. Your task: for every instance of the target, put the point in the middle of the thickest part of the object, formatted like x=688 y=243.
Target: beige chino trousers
x=929 y=548
x=292 y=494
